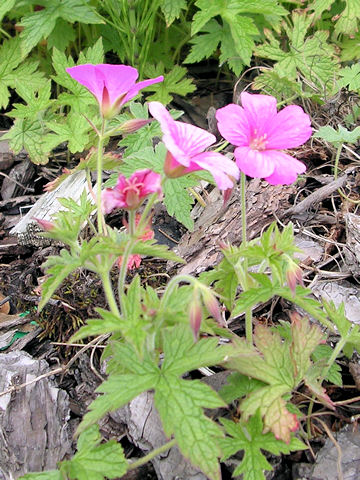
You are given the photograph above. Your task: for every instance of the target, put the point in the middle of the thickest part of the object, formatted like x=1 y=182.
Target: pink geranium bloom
x=186 y=144
x=260 y=133
x=111 y=85
x=129 y=193
x=134 y=260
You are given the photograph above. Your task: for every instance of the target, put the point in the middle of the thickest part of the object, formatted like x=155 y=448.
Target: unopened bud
x=44 y=224
x=195 y=315
x=131 y=126
x=212 y=305
x=293 y=276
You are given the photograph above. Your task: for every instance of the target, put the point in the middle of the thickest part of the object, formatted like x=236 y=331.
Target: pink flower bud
x=44 y=224
x=212 y=305
x=131 y=126
x=293 y=275
x=195 y=315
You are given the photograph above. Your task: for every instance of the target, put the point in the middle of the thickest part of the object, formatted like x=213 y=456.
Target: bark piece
x=264 y=202
x=27 y=229
x=34 y=430
x=352 y=250
x=19 y=175
x=338 y=292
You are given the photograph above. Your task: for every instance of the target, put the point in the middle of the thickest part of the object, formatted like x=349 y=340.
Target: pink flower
x=186 y=144
x=129 y=193
x=111 y=85
x=260 y=133
x=134 y=260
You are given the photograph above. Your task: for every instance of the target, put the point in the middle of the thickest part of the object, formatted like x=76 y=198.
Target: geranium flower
x=260 y=133
x=111 y=85
x=186 y=144
x=134 y=260
x=129 y=193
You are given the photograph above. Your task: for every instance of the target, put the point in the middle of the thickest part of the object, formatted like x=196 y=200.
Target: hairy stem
x=152 y=454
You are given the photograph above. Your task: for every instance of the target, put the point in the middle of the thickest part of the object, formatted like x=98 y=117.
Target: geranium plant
x=157 y=338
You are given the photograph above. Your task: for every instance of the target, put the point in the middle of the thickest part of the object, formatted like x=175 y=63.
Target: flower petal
x=290 y=128
x=254 y=163
x=219 y=166
x=111 y=199
x=134 y=90
x=260 y=111
x=86 y=76
x=119 y=79
x=286 y=168
x=233 y=124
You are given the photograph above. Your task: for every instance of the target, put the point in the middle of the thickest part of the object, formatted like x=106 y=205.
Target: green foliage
x=40 y=24
x=180 y=402
x=306 y=56
x=338 y=137
x=236 y=34
x=347 y=21
x=249 y=437
x=281 y=365
x=172 y=9
x=350 y=77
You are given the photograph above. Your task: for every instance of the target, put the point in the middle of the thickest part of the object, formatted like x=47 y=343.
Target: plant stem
x=336 y=352
x=337 y=158
x=100 y=217
x=108 y=289
x=123 y=270
x=152 y=454
x=248 y=312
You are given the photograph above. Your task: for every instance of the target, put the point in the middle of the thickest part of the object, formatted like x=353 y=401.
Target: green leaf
x=50 y=475
x=342 y=135
x=313 y=57
x=5 y=7
x=74 y=130
x=323 y=353
x=28 y=134
x=36 y=102
x=58 y=268
x=95 y=460
x=172 y=9
x=62 y=35
x=40 y=24
x=174 y=83
x=350 y=48
x=178 y=201
x=281 y=365
x=348 y=22
x=249 y=437
x=180 y=402
x=14 y=72
x=350 y=77
x=151 y=248
x=239 y=386
x=204 y=45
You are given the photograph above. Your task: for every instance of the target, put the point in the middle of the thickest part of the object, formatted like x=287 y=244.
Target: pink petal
x=119 y=79
x=111 y=199
x=233 y=124
x=286 y=168
x=260 y=111
x=219 y=166
x=134 y=90
x=86 y=76
x=254 y=163
x=290 y=128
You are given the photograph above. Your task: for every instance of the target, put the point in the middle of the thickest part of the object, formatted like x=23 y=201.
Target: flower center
x=258 y=143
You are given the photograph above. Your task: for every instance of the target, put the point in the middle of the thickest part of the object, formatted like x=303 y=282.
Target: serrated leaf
x=178 y=201
x=74 y=130
x=204 y=45
x=40 y=24
x=172 y=9
x=174 y=83
x=243 y=31
x=58 y=268
x=323 y=353
x=28 y=134
x=249 y=437
x=281 y=365
x=350 y=48
x=151 y=248
x=94 y=460
x=348 y=22
x=180 y=402
x=350 y=77
x=36 y=101
x=62 y=35
x=238 y=386
x=342 y=135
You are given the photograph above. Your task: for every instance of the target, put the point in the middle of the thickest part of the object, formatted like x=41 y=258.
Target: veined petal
x=290 y=128
x=135 y=89
x=233 y=124
x=111 y=199
x=260 y=111
x=254 y=163
x=86 y=76
x=119 y=79
x=286 y=168
x=219 y=166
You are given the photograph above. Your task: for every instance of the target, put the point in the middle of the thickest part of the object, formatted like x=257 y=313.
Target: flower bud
x=212 y=305
x=195 y=314
x=131 y=126
x=44 y=224
x=293 y=275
